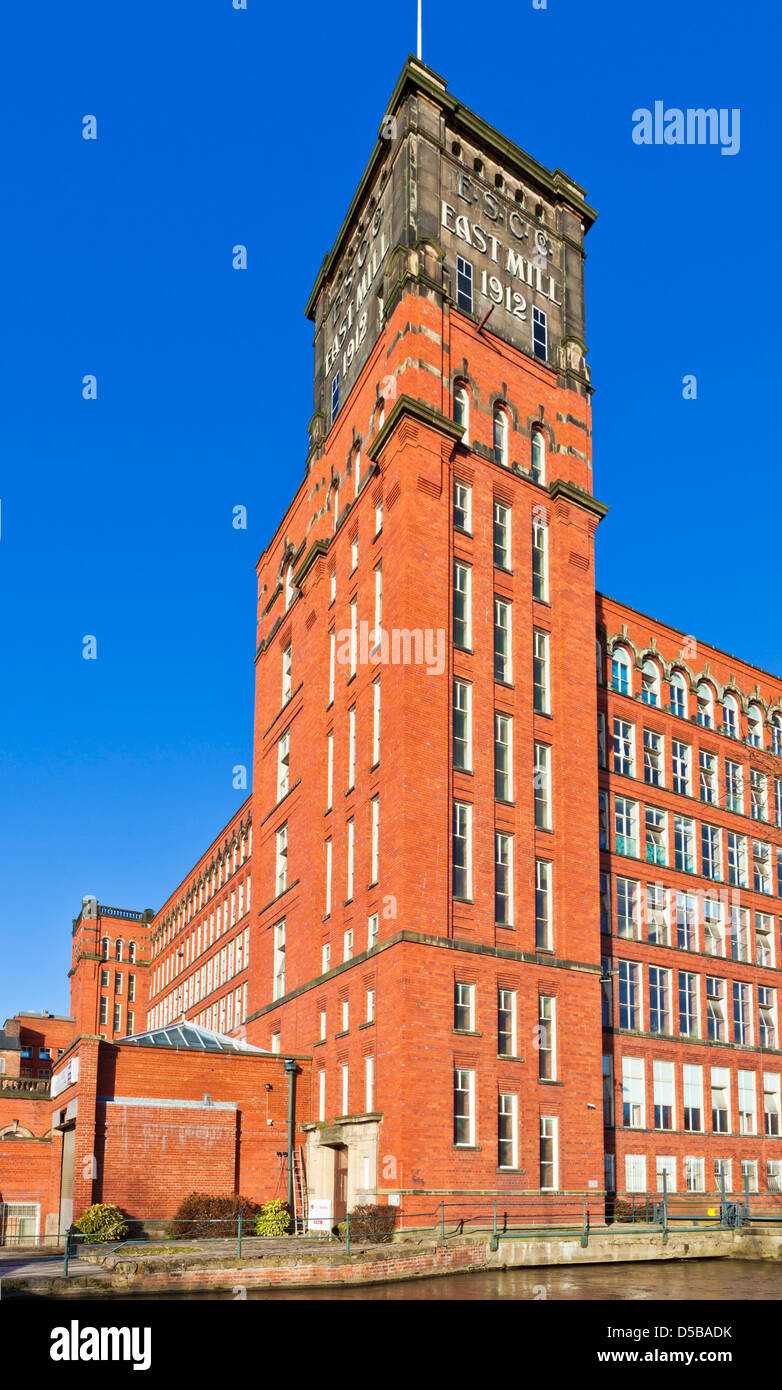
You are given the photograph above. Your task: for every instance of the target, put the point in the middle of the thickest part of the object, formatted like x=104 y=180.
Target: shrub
x=274 y=1219
x=103 y=1222
x=201 y=1216
x=374 y=1224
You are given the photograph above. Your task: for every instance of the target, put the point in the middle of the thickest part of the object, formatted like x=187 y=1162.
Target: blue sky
x=217 y=127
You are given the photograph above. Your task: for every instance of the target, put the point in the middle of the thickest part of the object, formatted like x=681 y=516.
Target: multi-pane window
x=776 y=735
x=463 y=1107
x=353 y=635
x=279 y=960
x=500 y=436
x=684 y=843
x=711 y=851
x=742 y=1013
x=653 y=758
x=351 y=860
x=716 y=1022
x=503 y=757
x=758 y=791
x=755 y=727
x=692 y=1090
x=282 y=858
x=686 y=921
x=461 y=606
x=657 y=914
x=351 y=748
x=507 y=1131
x=543 y=932
x=286 y=673
x=283 y=765
x=602 y=820
x=705 y=700
x=689 y=1009
x=549 y=1158
x=620 y=672
x=694 y=1175
x=608 y=1090
x=540 y=560
x=747 y=1102
x=739 y=933
x=764 y=939
x=627 y=914
x=650 y=683
x=373 y=923
x=461 y=406
x=761 y=866
x=665 y=1168
x=332 y=663
x=464 y=1007
x=664 y=1096
x=771 y=1108
x=720 y=1100
x=328 y=877
x=678 y=691
x=656 y=836
x=462 y=850
x=542 y=779
x=540 y=673
x=375 y=723
x=778 y=800
x=624 y=747
x=539 y=333
x=681 y=754
x=629 y=994
x=737 y=860
x=117 y=1018
x=606 y=992
x=774 y=1174
x=633 y=1097
x=370 y=1006
x=734 y=787
x=602 y=760
x=659 y=1000
x=502 y=641
x=503 y=879
x=626 y=826
x=501 y=536
x=375 y=846
x=464 y=284
x=730 y=717
x=547 y=1037
x=749 y=1174
x=635 y=1172
x=708 y=777
x=538 y=457
x=329 y=771
x=506 y=1022
x=462 y=725
x=462 y=506
x=767 y=1016
x=605 y=903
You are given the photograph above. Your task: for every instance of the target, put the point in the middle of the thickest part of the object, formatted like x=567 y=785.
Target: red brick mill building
x=502 y=913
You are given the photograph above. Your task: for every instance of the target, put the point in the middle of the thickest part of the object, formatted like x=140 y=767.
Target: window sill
x=343 y=1034
x=321 y=1042
x=466 y=902
x=506 y=926
x=467 y=1148
x=370 y=1023
x=506 y=1057
x=546 y=1081
x=375 y=766
x=506 y=685
x=467 y=1032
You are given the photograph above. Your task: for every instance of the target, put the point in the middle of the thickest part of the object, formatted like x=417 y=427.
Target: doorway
x=340 y=1182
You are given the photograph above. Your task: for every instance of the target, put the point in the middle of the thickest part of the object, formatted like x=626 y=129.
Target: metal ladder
x=299 y=1191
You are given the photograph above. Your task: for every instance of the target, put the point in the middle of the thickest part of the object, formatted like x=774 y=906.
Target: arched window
x=118 y=949
x=651 y=682
x=132 y=953
x=538 y=456
x=461 y=406
x=104 y=948
x=705 y=706
x=599 y=660
x=730 y=716
x=755 y=726
x=500 y=436
x=357 y=470
x=289 y=591
x=381 y=418
x=679 y=694
x=620 y=672
x=776 y=735
x=336 y=506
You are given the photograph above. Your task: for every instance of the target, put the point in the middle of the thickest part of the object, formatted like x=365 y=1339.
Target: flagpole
x=419 y=29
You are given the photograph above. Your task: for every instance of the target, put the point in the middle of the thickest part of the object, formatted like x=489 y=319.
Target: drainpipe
x=291 y=1069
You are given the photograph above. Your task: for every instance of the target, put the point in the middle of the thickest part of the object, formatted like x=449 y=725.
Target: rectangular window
x=321 y=1096
x=542 y=786
x=351 y=858
x=747 y=1103
x=117 y=981
x=711 y=851
x=501 y=536
x=539 y=333
x=602 y=820
x=118 y=1018
x=689 y=1007
x=665 y=1165
x=503 y=670
x=334 y=397
x=764 y=940
x=771 y=1109
x=739 y=934
x=659 y=1000
x=602 y=760
x=329 y=771
x=376 y=723
x=692 y=1085
x=629 y=995
x=462 y=850
x=761 y=866
x=686 y=921
x=369 y=1084
x=463 y=1007
x=547 y=1038
x=283 y=765
x=540 y=560
x=370 y=1010
x=507 y=1131
x=543 y=932
x=635 y=1172
x=605 y=903
x=345 y=1088
x=506 y=1023
x=758 y=787
x=540 y=673
x=624 y=748
x=681 y=767
x=737 y=860
x=653 y=758
x=503 y=879
x=708 y=777
x=549 y=1156
x=328 y=878
x=104 y=1010
x=734 y=788
x=503 y=757
x=633 y=1093
x=325 y=962
x=461 y=606
x=462 y=506
x=347 y=945
x=378 y=602
x=664 y=1099
x=720 y=1100
x=279 y=960
x=287 y=659
x=627 y=916
x=372 y=930
x=626 y=826
x=767 y=1016
x=684 y=843
x=608 y=1090
x=717 y=1028
x=656 y=836
x=332 y=661
x=375 y=868
x=463 y=1107
x=462 y=726
x=464 y=284
x=353 y=635
x=351 y=748
x=657 y=914
x=282 y=859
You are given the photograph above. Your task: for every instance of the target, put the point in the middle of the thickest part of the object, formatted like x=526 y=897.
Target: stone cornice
x=571 y=492
x=426 y=415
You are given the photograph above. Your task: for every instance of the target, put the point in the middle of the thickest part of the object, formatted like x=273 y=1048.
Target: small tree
x=201 y=1216
x=274 y=1219
x=372 y=1223
x=102 y=1222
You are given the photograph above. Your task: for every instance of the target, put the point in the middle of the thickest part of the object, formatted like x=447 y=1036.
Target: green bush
x=201 y=1216
x=102 y=1222
x=274 y=1219
x=374 y=1224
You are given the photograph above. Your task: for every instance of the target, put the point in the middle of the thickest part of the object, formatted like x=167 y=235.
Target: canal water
x=683 y=1280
